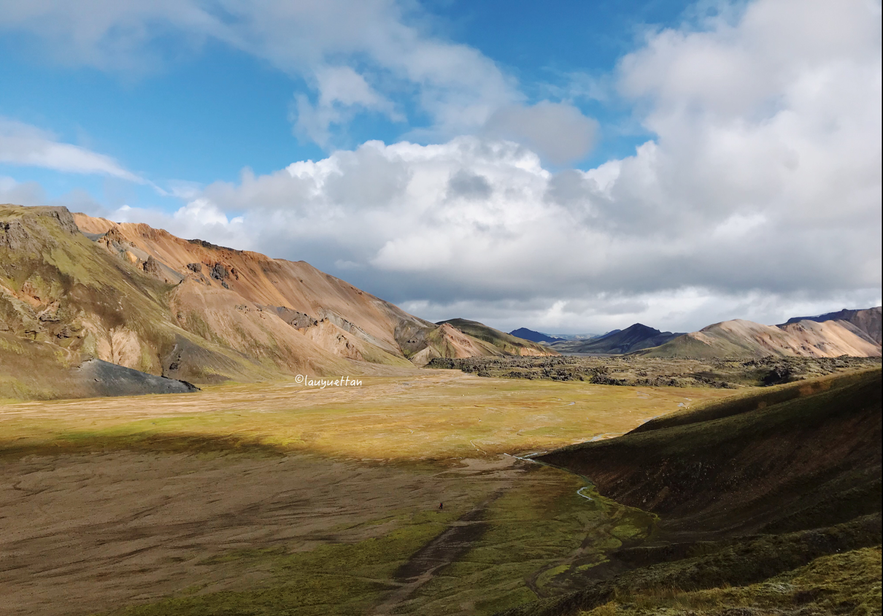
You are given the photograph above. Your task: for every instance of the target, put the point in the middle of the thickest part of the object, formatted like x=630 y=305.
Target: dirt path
x=440 y=552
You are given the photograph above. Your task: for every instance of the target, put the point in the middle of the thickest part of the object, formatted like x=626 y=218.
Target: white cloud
x=198 y=219
x=351 y=51
x=23 y=144
x=342 y=93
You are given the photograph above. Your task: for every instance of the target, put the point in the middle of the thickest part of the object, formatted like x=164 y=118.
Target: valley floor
x=399 y=496
x=289 y=499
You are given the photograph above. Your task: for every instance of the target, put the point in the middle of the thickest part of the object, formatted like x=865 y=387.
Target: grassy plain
x=287 y=499
x=434 y=415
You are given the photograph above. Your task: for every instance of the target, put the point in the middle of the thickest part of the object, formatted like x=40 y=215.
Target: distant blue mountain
x=529 y=334
x=617 y=342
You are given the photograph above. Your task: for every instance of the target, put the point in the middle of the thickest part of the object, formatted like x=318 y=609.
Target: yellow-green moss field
x=434 y=415
x=286 y=499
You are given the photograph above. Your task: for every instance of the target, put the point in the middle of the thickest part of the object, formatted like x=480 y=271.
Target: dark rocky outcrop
x=106 y=379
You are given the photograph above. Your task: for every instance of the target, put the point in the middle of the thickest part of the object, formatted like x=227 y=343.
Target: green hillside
x=781 y=488
x=504 y=342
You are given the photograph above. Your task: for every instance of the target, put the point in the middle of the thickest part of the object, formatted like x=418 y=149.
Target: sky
x=570 y=167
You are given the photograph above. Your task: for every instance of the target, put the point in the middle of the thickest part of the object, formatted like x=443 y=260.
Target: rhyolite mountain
x=633 y=338
x=869 y=320
x=75 y=288
x=745 y=339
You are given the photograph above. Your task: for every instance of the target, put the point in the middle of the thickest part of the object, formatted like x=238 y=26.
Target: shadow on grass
x=189 y=443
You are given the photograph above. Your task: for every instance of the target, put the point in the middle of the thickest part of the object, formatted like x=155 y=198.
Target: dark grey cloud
x=466 y=185
x=559 y=132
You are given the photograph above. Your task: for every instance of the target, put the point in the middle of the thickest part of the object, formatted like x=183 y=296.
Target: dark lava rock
x=107 y=379
x=219 y=272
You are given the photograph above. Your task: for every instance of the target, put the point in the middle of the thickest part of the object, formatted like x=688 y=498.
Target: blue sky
x=206 y=113
x=574 y=167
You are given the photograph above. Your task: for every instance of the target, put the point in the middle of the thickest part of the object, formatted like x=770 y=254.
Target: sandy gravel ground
x=85 y=533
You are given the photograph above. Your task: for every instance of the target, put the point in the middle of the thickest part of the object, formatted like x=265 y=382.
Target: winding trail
x=440 y=552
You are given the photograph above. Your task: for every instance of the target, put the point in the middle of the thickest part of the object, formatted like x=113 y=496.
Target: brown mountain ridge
x=802 y=338
x=74 y=287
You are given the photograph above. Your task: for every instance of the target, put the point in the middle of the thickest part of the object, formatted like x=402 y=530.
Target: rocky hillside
x=73 y=287
x=746 y=339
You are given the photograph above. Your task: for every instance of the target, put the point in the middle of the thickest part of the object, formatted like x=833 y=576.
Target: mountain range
x=76 y=290
x=801 y=338
x=529 y=334
x=846 y=332
x=534 y=336
x=869 y=322
x=93 y=307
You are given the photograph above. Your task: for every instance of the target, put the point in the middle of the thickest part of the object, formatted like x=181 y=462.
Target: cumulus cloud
x=759 y=195
x=342 y=92
x=466 y=185
x=199 y=219
x=23 y=144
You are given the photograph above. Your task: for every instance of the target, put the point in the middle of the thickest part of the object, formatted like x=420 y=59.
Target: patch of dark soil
x=447 y=547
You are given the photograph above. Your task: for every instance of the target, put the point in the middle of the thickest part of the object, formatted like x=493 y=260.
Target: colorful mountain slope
x=868 y=320
x=746 y=339
x=73 y=287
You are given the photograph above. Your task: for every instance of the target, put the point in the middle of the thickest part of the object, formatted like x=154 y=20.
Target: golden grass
x=433 y=415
